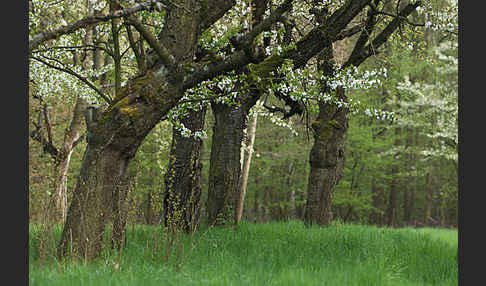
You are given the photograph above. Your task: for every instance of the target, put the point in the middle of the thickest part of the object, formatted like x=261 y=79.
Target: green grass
x=269 y=254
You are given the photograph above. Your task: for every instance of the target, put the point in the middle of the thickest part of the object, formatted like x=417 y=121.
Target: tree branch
x=47 y=121
x=396 y=15
x=349 y=32
x=244 y=42
x=385 y=34
x=164 y=55
x=133 y=45
x=214 y=11
x=72 y=48
x=327 y=32
x=365 y=34
x=36 y=134
x=42 y=37
x=305 y=49
x=81 y=78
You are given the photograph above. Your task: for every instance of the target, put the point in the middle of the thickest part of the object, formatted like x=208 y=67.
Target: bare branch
x=72 y=48
x=42 y=37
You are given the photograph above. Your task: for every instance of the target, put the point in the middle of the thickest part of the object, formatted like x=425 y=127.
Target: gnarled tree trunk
x=326 y=161
x=113 y=139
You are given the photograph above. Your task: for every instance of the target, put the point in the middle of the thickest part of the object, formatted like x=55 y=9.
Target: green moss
x=204 y=9
x=334 y=124
x=264 y=68
x=325 y=132
x=130 y=111
x=121 y=101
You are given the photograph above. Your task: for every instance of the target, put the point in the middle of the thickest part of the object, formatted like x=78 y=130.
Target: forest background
x=395 y=173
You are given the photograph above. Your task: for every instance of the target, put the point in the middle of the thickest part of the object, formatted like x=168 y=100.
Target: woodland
x=210 y=114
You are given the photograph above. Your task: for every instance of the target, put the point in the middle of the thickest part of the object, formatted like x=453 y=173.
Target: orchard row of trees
x=211 y=111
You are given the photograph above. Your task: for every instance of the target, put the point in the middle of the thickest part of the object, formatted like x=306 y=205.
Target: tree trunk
x=60 y=184
x=257 y=203
x=183 y=177
x=113 y=139
x=246 y=166
x=326 y=160
x=326 y=157
x=71 y=139
x=120 y=208
x=224 y=169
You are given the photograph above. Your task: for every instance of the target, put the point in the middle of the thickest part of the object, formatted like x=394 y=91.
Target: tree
x=327 y=154
x=246 y=154
x=183 y=177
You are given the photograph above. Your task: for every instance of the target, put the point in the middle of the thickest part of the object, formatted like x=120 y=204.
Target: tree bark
x=120 y=208
x=183 y=177
x=326 y=161
x=225 y=168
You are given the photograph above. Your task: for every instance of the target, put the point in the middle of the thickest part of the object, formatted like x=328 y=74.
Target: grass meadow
x=279 y=253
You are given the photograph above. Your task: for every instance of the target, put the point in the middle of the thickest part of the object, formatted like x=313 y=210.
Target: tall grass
x=269 y=254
